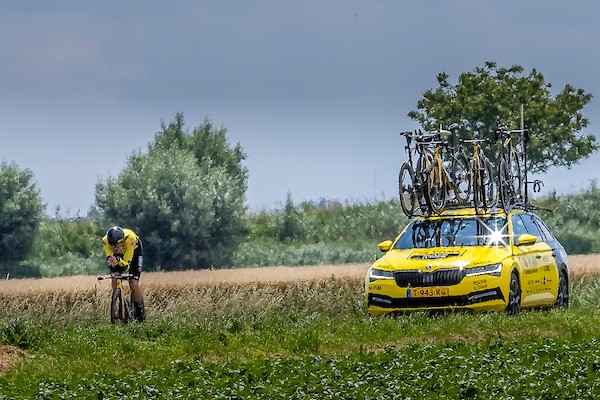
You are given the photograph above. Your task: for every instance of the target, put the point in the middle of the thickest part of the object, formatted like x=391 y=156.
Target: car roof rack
x=528 y=207
x=493 y=209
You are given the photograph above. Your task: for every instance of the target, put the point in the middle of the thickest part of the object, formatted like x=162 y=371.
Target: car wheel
x=562 y=299
x=514 y=295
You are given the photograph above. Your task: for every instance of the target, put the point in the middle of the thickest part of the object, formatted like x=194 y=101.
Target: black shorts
x=137 y=262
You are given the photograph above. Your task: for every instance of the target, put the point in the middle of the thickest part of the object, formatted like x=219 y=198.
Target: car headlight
x=492 y=269
x=376 y=274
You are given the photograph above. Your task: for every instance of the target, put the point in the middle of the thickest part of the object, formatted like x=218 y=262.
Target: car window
x=453 y=232
x=531 y=226
x=494 y=230
x=458 y=232
x=548 y=236
x=518 y=226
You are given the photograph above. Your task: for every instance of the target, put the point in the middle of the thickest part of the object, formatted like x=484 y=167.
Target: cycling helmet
x=115 y=235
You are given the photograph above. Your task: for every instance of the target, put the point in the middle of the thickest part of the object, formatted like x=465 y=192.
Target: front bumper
x=383 y=301
x=481 y=293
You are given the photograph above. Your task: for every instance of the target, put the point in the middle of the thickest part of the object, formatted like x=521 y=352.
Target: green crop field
x=302 y=339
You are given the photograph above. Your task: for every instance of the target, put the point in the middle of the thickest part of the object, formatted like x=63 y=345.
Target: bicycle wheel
x=420 y=175
x=478 y=188
x=516 y=179
x=129 y=311
x=408 y=197
x=488 y=183
x=460 y=178
x=505 y=189
x=436 y=188
x=117 y=311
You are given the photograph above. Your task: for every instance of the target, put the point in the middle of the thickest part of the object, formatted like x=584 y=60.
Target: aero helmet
x=115 y=235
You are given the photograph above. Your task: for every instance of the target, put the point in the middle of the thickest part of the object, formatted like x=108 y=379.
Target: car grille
x=441 y=277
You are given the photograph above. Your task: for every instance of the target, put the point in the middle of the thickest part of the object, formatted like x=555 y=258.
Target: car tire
x=514 y=295
x=562 y=298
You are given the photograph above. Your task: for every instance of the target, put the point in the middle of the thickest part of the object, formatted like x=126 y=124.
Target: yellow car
x=462 y=260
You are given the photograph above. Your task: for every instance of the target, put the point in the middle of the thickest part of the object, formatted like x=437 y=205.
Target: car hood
x=442 y=257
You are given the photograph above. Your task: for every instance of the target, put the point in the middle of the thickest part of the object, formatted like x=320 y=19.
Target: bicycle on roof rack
x=512 y=183
x=430 y=181
x=412 y=186
x=481 y=172
x=441 y=180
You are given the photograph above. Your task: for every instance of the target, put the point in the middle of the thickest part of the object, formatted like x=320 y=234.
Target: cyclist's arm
x=108 y=251
x=129 y=246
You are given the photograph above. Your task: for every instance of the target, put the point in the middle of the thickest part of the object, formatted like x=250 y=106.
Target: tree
x=185 y=197
x=290 y=227
x=491 y=92
x=21 y=211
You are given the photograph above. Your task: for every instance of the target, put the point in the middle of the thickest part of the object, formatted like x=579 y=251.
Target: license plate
x=427 y=292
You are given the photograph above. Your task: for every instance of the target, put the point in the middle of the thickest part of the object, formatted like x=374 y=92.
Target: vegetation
x=574 y=218
x=185 y=197
x=20 y=213
x=67 y=246
x=308 y=233
x=492 y=92
x=293 y=340
x=319 y=233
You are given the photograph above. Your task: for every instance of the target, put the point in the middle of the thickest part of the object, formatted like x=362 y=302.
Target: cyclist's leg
x=135 y=272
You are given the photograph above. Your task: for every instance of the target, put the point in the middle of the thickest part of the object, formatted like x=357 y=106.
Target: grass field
x=299 y=332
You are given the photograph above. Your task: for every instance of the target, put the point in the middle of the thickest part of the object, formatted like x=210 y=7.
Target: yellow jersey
x=130 y=243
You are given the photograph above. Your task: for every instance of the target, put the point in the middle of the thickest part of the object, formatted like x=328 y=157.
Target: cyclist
x=124 y=250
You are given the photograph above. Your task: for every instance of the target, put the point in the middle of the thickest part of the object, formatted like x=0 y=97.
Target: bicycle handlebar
x=435 y=143
x=101 y=278
x=441 y=132
x=420 y=137
x=474 y=140
x=514 y=131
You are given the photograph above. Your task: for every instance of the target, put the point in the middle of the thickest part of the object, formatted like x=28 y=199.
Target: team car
x=460 y=259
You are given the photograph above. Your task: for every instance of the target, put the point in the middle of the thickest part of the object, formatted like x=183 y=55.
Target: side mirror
x=385 y=245
x=526 y=240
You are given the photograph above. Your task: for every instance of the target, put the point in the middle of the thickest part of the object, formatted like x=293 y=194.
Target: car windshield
x=474 y=231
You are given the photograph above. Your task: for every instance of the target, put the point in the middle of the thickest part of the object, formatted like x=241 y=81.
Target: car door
x=522 y=257
x=537 y=262
x=551 y=274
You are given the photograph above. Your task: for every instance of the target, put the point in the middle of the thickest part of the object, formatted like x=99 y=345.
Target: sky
x=315 y=92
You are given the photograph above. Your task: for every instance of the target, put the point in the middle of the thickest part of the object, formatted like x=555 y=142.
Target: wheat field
x=582 y=267
x=191 y=278
x=207 y=292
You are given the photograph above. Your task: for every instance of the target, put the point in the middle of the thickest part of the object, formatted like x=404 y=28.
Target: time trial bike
x=511 y=183
x=121 y=309
x=482 y=175
x=412 y=185
x=446 y=176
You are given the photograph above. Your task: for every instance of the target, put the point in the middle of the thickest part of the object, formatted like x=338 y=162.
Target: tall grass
x=65 y=338
x=235 y=307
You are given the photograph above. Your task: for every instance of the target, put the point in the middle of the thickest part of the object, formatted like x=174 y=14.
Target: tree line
x=186 y=193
